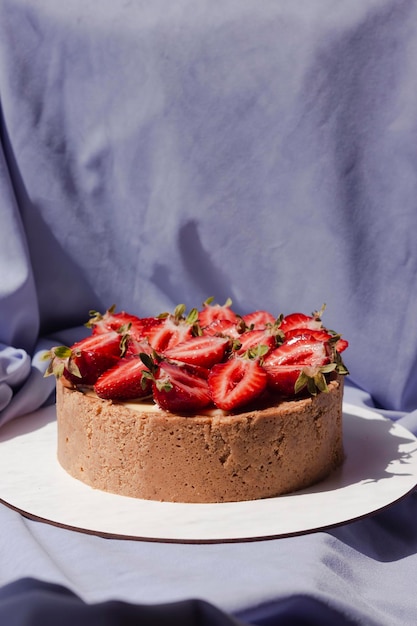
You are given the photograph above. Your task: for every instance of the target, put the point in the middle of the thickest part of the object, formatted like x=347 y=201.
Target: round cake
x=238 y=408
x=145 y=452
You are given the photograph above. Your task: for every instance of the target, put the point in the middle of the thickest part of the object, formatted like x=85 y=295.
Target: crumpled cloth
x=30 y=602
x=22 y=385
x=14 y=369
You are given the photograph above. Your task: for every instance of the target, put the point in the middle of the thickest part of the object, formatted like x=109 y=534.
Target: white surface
x=380 y=468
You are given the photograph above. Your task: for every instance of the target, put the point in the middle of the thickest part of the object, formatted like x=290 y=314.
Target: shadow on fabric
x=30 y=602
x=295 y=611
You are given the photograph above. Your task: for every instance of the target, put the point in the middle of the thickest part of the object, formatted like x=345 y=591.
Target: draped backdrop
x=157 y=153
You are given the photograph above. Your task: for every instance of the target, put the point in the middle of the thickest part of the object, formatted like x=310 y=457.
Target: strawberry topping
x=92 y=356
x=225 y=328
x=236 y=382
x=211 y=357
x=253 y=338
x=124 y=381
x=285 y=364
x=202 y=350
x=258 y=319
x=300 y=320
x=319 y=334
x=180 y=388
x=110 y=320
x=168 y=334
x=172 y=329
x=212 y=312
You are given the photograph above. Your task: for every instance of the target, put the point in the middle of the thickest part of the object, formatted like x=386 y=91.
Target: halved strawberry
x=172 y=329
x=341 y=345
x=134 y=347
x=253 y=338
x=168 y=334
x=225 y=328
x=95 y=354
x=319 y=334
x=236 y=382
x=180 y=388
x=285 y=364
x=124 y=381
x=202 y=350
x=300 y=320
x=258 y=319
x=212 y=312
x=87 y=359
x=144 y=326
x=110 y=320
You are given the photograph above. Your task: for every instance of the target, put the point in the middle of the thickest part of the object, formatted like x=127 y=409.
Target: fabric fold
x=14 y=369
x=30 y=602
x=23 y=387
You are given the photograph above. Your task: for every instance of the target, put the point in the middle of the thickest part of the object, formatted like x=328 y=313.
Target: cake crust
x=213 y=457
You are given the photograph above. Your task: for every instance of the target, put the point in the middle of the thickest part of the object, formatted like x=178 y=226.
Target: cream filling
x=145 y=406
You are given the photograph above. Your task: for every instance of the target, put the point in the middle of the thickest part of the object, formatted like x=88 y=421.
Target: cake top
x=207 y=357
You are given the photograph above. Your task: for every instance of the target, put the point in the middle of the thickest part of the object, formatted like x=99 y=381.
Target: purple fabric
x=30 y=602
x=159 y=152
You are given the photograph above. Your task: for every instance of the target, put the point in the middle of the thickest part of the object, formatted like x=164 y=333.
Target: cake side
x=218 y=457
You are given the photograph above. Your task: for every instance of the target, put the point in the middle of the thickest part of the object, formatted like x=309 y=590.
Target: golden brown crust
x=155 y=455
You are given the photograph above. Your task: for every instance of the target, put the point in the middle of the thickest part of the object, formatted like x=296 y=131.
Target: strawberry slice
x=172 y=329
x=202 y=350
x=285 y=364
x=212 y=312
x=143 y=326
x=341 y=345
x=300 y=320
x=124 y=381
x=269 y=337
x=134 y=347
x=236 y=382
x=258 y=320
x=110 y=320
x=168 y=334
x=319 y=334
x=180 y=388
x=225 y=328
x=93 y=355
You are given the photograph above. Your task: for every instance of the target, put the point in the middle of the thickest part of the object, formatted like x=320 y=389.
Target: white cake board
x=380 y=468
